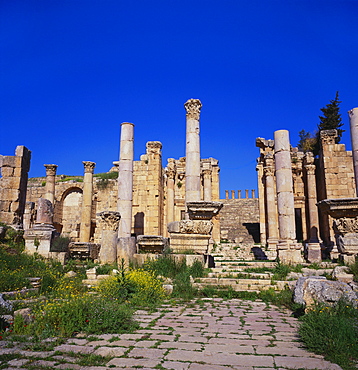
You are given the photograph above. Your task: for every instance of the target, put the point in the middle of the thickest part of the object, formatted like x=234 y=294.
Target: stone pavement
x=213 y=334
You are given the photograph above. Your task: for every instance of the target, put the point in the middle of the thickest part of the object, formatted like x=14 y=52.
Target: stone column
x=253 y=193
x=126 y=244
x=271 y=208
x=261 y=191
x=192 y=164
x=125 y=180
x=353 y=120
x=50 y=182
x=313 y=247
x=110 y=222
x=86 y=215
x=226 y=194
x=239 y=194
x=288 y=249
x=170 y=171
x=246 y=193
x=207 y=185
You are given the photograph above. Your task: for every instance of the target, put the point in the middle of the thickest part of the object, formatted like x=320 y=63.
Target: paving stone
x=207 y=367
x=74 y=348
x=182 y=345
x=132 y=362
x=97 y=343
x=172 y=365
x=68 y=366
x=17 y=362
x=229 y=348
x=147 y=352
x=306 y=363
x=277 y=350
x=145 y=343
x=122 y=343
x=110 y=351
x=76 y=341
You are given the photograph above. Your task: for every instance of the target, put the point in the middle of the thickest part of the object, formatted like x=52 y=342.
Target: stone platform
x=213 y=335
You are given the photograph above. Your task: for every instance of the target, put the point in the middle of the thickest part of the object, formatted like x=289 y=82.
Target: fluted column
x=110 y=223
x=271 y=208
x=313 y=247
x=170 y=171
x=125 y=180
x=288 y=249
x=207 y=185
x=192 y=163
x=353 y=120
x=86 y=215
x=50 y=182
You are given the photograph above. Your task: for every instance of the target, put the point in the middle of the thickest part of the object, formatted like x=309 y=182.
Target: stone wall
x=13 y=183
x=239 y=220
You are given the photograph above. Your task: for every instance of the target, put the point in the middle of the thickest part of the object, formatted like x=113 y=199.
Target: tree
x=331 y=118
x=307 y=142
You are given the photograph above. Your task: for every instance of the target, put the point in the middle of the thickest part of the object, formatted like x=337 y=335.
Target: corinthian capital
x=89 y=166
x=193 y=107
x=109 y=220
x=51 y=169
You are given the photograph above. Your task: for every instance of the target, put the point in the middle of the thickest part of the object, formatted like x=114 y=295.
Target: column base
x=289 y=252
x=314 y=253
x=126 y=248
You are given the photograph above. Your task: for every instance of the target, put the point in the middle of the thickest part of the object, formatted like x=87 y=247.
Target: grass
x=332 y=331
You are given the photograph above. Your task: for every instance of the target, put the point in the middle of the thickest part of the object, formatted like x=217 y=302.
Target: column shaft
x=86 y=215
x=125 y=180
x=192 y=163
x=353 y=120
x=50 y=182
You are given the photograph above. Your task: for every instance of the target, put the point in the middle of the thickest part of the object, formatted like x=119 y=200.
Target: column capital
x=193 y=107
x=206 y=173
x=89 y=166
x=110 y=220
x=51 y=169
x=269 y=168
x=328 y=136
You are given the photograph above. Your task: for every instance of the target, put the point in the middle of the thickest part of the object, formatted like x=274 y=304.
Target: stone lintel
x=203 y=210
x=337 y=208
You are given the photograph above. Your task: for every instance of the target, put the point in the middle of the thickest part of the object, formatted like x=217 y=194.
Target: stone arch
x=68 y=212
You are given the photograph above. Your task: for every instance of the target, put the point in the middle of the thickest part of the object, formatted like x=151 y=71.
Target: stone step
x=239 y=274
x=249 y=285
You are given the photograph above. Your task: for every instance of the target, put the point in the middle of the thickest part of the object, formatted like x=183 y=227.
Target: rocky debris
x=309 y=290
x=341 y=273
x=4 y=303
x=26 y=314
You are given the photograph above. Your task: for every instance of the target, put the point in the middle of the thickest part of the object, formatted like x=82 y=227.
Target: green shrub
x=87 y=314
x=332 y=331
x=354 y=269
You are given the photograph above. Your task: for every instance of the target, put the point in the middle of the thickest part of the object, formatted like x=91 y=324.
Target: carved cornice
x=346 y=225
x=193 y=107
x=51 y=169
x=109 y=220
x=89 y=166
x=195 y=227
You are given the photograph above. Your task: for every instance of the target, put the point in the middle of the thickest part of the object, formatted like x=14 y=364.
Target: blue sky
x=72 y=71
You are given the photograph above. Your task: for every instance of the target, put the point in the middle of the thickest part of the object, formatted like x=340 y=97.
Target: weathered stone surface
x=26 y=314
x=309 y=290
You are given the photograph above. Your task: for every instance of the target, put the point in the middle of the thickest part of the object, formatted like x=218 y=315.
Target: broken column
x=110 y=223
x=170 y=172
x=289 y=251
x=86 y=215
x=313 y=246
x=126 y=244
x=271 y=209
x=353 y=120
x=50 y=182
x=192 y=164
x=38 y=239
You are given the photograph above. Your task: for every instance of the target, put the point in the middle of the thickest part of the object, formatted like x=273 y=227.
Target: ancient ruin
x=144 y=207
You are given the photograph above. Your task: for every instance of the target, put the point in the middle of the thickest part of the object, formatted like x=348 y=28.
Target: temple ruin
x=147 y=206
